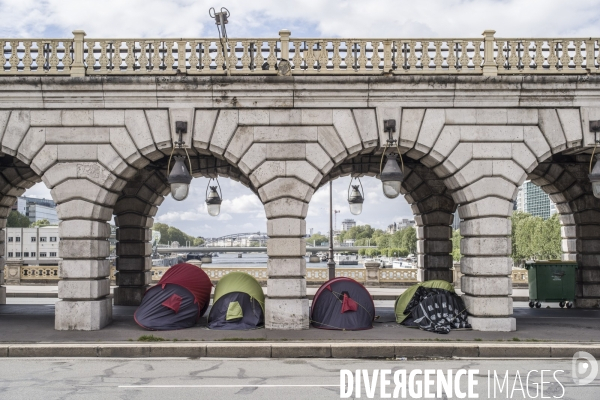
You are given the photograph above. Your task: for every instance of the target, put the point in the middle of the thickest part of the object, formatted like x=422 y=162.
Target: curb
x=301 y=350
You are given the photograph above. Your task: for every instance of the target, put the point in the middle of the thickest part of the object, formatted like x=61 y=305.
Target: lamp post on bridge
x=330 y=262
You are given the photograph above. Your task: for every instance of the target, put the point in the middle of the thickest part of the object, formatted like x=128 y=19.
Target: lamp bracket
x=180 y=129
x=389 y=126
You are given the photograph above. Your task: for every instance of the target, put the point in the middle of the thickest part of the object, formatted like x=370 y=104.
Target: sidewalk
x=27 y=330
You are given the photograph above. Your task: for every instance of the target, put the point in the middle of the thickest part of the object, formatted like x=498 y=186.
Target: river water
x=257 y=260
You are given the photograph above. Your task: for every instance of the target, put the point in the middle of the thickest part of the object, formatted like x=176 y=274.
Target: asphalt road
x=264 y=379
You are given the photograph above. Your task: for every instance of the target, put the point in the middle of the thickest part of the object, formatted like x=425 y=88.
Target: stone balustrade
x=48 y=274
x=284 y=55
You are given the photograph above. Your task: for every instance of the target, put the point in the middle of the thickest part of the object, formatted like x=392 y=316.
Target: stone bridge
x=94 y=119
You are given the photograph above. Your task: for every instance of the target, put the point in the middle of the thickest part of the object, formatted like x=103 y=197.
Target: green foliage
x=170 y=234
x=17 y=220
x=456 y=245
x=357 y=232
x=409 y=240
x=317 y=239
x=535 y=239
x=393 y=252
x=373 y=252
x=40 y=223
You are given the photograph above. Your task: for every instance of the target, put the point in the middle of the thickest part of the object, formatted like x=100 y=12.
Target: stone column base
x=587 y=303
x=507 y=324
x=2 y=295
x=129 y=296
x=286 y=314
x=82 y=315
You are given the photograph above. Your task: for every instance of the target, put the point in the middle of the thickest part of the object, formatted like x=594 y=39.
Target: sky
x=241 y=209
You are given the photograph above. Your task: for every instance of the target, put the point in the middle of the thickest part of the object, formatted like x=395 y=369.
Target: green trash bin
x=552 y=282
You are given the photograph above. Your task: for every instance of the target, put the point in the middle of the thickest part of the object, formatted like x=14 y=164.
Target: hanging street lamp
x=179 y=176
x=356 y=198
x=594 y=175
x=391 y=175
x=214 y=198
x=180 y=179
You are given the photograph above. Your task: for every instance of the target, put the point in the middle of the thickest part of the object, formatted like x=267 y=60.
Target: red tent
x=178 y=301
x=190 y=277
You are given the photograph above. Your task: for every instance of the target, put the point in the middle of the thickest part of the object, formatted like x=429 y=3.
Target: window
x=17 y=239
x=42 y=254
x=10 y=254
x=52 y=254
x=18 y=254
x=26 y=254
x=43 y=238
x=53 y=238
x=10 y=239
x=33 y=239
x=33 y=254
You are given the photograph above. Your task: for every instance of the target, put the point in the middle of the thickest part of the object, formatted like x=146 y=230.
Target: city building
x=36 y=209
x=398 y=226
x=34 y=246
x=347 y=224
x=456 y=221
x=533 y=200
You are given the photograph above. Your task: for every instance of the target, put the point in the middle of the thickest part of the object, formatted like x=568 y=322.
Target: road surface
x=286 y=379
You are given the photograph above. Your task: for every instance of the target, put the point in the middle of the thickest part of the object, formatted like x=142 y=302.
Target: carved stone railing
x=39 y=272
x=284 y=55
x=385 y=275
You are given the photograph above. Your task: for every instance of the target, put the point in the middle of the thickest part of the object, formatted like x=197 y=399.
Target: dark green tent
x=403 y=300
x=238 y=303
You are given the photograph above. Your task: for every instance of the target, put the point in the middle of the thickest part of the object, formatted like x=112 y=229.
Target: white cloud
x=309 y=18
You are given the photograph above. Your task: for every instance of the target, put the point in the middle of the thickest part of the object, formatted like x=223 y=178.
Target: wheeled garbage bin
x=552 y=282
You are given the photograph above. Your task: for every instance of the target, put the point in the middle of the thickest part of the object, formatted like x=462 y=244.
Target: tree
x=170 y=234
x=409 y=240
x=317 y=239
x=550 y=239
x=40 y=223
x=17 y=220
x=456 y=245
x=534 y=238
x=163 y=229
x=516 y=219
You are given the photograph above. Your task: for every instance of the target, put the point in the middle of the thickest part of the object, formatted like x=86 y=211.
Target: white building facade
x=34 y=246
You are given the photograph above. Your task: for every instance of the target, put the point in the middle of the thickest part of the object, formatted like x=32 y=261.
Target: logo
x=584 y=369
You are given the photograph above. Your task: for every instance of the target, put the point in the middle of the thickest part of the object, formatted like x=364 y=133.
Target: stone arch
x=431 y=203
x=483 y=155
x=135 y=210
x=15 y=178
x=564 y=179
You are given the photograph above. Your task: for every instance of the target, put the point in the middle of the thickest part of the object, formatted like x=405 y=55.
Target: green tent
x=239 y=282
x=238 y=303
x=403 y=300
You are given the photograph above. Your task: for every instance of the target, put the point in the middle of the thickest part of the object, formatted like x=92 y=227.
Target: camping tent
x=404 y=299
x=238 y=303
x=179 y=299
x=342 y=304
x=432 y=306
